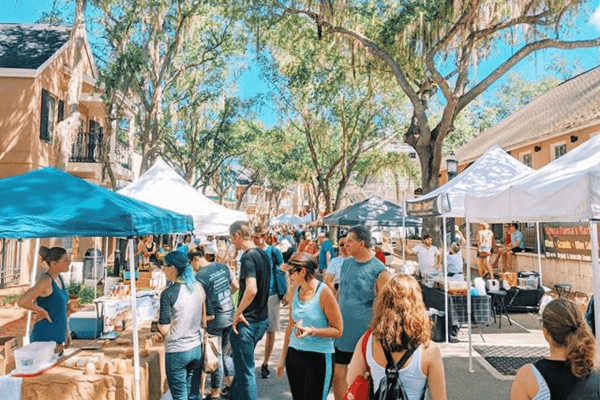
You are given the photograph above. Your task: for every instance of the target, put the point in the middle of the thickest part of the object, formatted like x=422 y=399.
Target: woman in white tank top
x=400 y=322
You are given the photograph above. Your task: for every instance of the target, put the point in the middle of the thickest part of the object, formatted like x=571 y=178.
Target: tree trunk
x=67 y=128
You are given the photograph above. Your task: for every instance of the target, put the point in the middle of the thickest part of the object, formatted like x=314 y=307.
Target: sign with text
x=426 y=208
x=568 y=240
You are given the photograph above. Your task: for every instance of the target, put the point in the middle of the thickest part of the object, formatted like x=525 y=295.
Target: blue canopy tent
x=374 y=211
x=52 y=203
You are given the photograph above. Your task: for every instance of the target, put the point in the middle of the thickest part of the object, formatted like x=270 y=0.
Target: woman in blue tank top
x=48 y=299
x=315 y=320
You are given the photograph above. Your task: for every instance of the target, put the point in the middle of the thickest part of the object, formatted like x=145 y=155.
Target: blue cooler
x=86 y=325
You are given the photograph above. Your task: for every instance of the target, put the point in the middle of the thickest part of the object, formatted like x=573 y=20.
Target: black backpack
x=390 y=386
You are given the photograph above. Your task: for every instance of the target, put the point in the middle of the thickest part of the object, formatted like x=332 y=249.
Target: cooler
x=86 y=325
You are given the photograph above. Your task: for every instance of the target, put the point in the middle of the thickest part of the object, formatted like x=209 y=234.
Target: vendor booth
x=495 y=167
x=566 y=190
x=163 y=187
x=50 y=203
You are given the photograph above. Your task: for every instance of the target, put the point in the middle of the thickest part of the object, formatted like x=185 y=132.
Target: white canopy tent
x=495 y=167
x=566 y=190
x=162 y=186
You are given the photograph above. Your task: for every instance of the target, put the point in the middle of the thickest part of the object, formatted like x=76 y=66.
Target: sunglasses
x=292 y=271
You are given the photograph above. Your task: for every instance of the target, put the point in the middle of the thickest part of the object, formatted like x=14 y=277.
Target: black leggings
x=309 y=373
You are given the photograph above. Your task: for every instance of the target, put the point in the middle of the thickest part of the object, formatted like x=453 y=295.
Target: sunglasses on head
x=292 y=271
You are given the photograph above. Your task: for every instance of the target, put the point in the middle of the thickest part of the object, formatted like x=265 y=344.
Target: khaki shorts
x=273 y=305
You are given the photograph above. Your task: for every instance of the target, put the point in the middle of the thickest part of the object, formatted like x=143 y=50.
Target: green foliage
x=87 y=294
x=11 y=299
x=74 y=288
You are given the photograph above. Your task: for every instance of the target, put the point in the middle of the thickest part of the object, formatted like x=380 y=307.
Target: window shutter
x=44 y=116
x=61 y=110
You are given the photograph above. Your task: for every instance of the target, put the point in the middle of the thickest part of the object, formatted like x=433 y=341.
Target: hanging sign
x=431 y=207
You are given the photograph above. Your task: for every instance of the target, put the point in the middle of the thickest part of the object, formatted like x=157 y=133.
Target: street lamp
x=452 y=171
x=451 y=166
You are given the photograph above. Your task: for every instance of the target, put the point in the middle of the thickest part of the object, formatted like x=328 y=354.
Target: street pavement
x=481 y=382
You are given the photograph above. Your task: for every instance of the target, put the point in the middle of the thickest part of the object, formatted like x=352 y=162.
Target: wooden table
x=68 y=383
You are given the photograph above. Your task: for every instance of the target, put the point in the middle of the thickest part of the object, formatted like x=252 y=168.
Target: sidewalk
x=483 y=383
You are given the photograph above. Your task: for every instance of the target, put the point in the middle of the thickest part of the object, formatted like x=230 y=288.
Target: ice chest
x=86 y=325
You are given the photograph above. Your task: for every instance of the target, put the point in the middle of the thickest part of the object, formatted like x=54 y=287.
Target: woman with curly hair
x=400 y=324
x=565 y=374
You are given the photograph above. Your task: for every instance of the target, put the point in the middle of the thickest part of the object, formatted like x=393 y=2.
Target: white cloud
x=595 y=20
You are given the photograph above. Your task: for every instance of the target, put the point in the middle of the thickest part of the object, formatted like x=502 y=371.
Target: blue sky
x=532 y=68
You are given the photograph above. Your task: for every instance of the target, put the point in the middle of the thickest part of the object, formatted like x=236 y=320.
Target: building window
x=48 y=116
x=412 y=155
x=526 y=158
x=559 y=150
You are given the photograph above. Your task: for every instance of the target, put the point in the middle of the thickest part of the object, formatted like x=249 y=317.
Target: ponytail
x=187 y=276
x=581 y=346
x=565 y=324
x=53 y=254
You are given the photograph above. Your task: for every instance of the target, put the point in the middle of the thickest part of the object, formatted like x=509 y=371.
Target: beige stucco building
x=36 y=62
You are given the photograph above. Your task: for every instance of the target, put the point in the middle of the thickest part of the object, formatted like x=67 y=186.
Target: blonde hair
x=565 y=324
x=400 y=320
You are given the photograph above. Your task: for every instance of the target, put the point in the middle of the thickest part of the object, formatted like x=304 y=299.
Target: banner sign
x=426 y=208
x=568 y=240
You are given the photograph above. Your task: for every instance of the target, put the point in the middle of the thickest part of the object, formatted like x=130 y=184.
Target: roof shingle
x=28 y=46
x=572 y=104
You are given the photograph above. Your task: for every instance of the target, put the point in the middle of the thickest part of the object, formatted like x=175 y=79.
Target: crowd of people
x=347 y=315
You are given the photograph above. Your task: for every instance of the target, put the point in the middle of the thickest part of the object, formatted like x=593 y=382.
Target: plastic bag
x=544 y=302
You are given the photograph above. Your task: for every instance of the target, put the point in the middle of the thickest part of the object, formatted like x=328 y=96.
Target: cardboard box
x=8 y=345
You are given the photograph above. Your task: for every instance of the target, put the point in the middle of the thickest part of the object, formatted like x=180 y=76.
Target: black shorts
x=517 y=249
x=342 y=357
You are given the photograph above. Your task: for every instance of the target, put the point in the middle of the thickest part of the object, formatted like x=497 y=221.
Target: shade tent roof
x=52 y=203
x=373 y=211
x=307 y=219
x=493 y=169
x=568 y=189
x=163 y=187
x=287 y=218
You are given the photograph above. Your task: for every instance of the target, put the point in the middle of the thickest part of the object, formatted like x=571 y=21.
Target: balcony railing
x=123 y=155
x=87 y=147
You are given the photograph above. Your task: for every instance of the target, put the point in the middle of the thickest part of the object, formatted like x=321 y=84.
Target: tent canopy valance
x=493 y=169
x=163 y=187
x=52 y=203
x=374 y=211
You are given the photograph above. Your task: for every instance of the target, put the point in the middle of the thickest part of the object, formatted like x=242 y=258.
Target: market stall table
x=73 y=383
x=480 y=307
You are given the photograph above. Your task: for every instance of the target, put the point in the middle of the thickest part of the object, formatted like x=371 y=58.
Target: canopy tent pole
x=106 y=266
x=404 y=234
x=445 y=269
x=596 y=276
x=95 y=267
x=136 y=345
x=36 y=257
x=539 y=249
x=468 y=231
